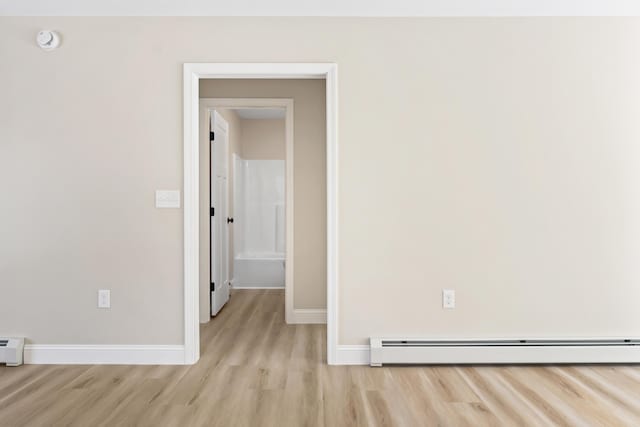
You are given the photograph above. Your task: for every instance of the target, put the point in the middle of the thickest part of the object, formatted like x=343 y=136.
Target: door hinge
x=212 y=136
x=213 y=211
x=213 y=286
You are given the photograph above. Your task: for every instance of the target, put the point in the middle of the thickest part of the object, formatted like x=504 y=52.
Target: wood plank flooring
x=257 y=371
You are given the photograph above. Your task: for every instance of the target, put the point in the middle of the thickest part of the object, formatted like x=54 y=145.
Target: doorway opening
x=249 y=211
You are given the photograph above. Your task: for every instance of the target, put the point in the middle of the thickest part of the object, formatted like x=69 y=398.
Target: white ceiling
x=320 y=8
x=260 y=113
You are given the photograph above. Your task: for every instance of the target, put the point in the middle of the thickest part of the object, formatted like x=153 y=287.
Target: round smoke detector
x=48 y=40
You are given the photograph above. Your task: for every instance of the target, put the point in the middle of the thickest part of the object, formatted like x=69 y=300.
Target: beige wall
x=309 y=163
x=498 y=157
x=265 y=139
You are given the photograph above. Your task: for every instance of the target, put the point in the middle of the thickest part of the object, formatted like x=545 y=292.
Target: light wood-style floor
x=257 y=371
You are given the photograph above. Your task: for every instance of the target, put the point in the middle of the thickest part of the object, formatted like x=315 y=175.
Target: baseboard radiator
x=412 y=351
x=11 y=351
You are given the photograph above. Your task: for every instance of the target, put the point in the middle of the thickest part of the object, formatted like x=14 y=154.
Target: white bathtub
x=259 y=270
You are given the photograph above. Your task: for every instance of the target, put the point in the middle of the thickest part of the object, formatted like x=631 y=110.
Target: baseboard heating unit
x=11 y=351
x=502 y=351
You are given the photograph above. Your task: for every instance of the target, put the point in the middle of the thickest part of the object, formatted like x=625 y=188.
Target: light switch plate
x=448 y=298
x=167 y=198
x=104 y=298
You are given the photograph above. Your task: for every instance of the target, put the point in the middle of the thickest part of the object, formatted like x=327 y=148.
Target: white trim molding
x=308 y=316
x=193 y=72
x=48 y=354
x=352 y=355
x=332 y=212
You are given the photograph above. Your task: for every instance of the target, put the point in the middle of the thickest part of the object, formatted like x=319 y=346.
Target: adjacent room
x=246 y=214
x=319 y=214
x=273 y=161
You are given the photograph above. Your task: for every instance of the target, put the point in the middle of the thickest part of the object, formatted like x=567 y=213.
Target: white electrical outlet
x=448 y=298
x=104 y=298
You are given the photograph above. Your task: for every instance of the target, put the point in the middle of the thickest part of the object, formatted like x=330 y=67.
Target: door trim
x=288 y=104
x=193 y=72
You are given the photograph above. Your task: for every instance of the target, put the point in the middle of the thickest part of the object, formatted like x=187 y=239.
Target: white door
x=219 y=201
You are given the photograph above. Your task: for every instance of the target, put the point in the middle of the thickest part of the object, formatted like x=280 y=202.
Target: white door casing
x=193 y=73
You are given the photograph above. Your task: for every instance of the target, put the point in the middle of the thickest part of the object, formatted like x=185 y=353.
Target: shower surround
x=259 y=223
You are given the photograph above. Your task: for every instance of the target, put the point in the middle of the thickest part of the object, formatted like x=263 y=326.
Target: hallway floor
x=257 y=371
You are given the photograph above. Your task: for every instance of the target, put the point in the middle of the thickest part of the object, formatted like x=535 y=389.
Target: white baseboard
x=256 y=287
x=308 y=316
x=47 y=354
x=352 y=355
